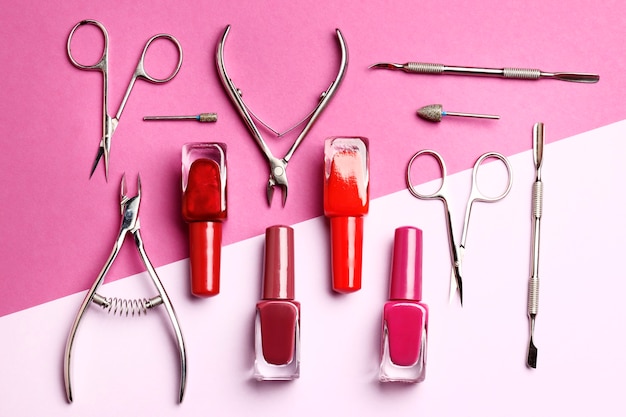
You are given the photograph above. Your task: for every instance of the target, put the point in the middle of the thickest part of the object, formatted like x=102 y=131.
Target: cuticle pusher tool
x=537 y=203
x=514 y=73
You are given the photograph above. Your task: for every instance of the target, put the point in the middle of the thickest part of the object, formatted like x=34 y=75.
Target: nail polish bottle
x=405 y=318
x=277 y=323
x=346 y=201
x=204 y=209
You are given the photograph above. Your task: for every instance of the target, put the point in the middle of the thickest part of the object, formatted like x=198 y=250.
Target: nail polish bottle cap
x=346 y=201
x=204 y=208
x=278 y=279
x=406 y=265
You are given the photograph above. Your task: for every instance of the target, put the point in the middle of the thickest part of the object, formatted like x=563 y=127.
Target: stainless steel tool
x=202 y=117
x=515 y=73
x=435 y=112
x=476 y=195
x=537 y=203
x=129 y=207
x=278 y=166
x=109 y=124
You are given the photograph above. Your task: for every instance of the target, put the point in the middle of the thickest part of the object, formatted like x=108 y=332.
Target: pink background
x=57 y=226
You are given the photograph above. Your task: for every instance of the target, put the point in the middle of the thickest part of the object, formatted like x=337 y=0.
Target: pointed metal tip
x=93 y=169
x=123 y=187
x=386 y=65
x=270 y=193
x=284 y=189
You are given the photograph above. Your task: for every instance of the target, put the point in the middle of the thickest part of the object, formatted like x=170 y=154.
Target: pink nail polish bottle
x=405 y=318
x=277 y=324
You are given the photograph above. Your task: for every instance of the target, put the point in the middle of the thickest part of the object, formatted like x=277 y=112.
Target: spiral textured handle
x=537 y=199
x=533 y=295
x=521 y=73
x=424 y=68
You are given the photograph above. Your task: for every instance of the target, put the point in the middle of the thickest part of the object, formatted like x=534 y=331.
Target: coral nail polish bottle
x=346 y=201
x=277 y=324
x=204 y=208
x=405 y=318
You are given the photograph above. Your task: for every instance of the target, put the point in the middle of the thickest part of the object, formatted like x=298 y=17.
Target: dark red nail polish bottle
x=277 y=324
x=204 y=209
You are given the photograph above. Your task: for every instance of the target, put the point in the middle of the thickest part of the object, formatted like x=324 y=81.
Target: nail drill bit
x=514 y=73
x=202 y=117
x=435 y=112
x=537 y=202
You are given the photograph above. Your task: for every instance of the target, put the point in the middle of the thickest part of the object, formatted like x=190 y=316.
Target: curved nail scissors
x=278 y=167
x=457 y=253
x=109 y=124
x=130 y=224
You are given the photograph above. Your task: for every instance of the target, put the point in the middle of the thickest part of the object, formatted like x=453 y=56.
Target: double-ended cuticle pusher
x=515 y=73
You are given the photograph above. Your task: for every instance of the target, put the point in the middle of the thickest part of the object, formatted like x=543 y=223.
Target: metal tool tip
x=385 y=65
x=123 y=186
x=531 y=362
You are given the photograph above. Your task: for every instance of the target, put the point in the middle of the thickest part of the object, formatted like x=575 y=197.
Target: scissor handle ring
x=141 y=71
x=479 y=196
x=101 y=62
x=438 y=193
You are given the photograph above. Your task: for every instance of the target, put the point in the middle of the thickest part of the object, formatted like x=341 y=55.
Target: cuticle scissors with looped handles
x=129 y=207
x=109 y=124
x=457 y=252
x=278 y=166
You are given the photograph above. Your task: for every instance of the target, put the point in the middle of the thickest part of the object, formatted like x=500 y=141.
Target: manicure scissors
x=457 y=252
x=109 y=124
x=278 y=167
x=129 y=207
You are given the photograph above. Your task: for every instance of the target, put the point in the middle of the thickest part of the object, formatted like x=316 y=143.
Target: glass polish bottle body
x=404 y=341
x=405 y=318
x=277 y=321
x=277 y=340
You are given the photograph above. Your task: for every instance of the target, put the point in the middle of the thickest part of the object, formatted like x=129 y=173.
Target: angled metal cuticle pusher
x=278 y=166
x=130 y=224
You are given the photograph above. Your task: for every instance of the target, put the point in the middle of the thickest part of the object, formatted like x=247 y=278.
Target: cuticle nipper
x=130 y=224
x=278 y=166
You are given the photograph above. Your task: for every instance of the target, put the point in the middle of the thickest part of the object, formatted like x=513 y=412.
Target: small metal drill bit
x=514 y=73
x=537 y=202
x=435 y=112
x=202 y=117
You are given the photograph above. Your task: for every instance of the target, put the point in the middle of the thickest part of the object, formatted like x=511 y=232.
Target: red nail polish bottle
x=346 y=201
x=405 y=318
x=277 y=324
x=204 y=208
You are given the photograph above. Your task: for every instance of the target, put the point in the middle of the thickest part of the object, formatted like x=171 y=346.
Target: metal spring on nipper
x=125 y=307
x=521 y=73
x=537 y=199
x=425 y=68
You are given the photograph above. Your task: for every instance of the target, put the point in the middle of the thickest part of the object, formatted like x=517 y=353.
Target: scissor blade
x=456 y=280
x=96 y=161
